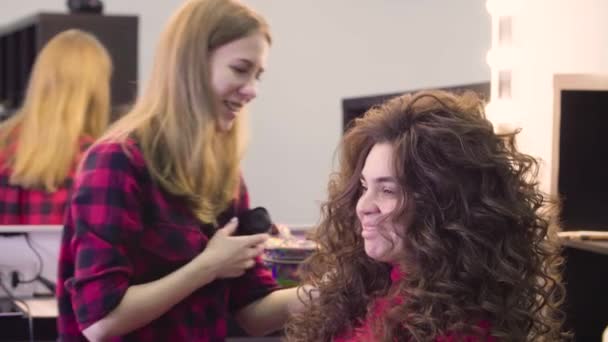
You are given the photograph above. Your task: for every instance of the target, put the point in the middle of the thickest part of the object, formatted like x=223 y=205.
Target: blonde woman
x=148 y=252
x=65 y=108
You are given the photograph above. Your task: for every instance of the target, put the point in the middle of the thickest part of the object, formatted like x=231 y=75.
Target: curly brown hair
x=478 y=247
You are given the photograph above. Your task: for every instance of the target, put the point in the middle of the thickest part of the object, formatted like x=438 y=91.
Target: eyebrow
x=386 y=179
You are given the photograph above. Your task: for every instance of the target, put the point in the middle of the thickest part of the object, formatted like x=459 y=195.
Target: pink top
x=364 y=331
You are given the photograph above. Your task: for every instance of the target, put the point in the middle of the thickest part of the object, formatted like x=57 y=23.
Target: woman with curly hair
x=434 y=231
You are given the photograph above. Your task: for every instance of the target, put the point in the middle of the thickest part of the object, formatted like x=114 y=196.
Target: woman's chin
x=225 y=125
x=375 y=253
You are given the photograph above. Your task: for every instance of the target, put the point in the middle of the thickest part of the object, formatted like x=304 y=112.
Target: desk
x=14 y=323
x=26 y=228
x=600 y=247
x=592 y=241
x=44 y=312
x=39 y=307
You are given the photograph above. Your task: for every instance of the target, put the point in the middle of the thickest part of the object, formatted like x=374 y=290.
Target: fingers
x=250 y=259
x=237 y=253
x=255 y=239
x=230 y=227
x=254 y=252
x=239 y=270
x=249 y=264
x=235 y=273
x=260 y=249
x=246 y=241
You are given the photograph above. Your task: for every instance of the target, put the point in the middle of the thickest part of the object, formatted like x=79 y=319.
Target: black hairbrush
x=254 y=221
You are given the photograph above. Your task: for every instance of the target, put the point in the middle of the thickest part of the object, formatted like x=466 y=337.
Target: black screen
x=583 y=159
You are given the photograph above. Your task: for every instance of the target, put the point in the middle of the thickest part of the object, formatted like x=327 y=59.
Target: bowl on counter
x=283 y=257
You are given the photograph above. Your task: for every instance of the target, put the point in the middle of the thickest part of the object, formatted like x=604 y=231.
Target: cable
x=48 y=284
x=38 y=277
x=40 y=261
x=30 y=320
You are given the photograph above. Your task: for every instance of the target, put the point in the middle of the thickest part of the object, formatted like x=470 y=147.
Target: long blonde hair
x=68 y=97
x=175 y=119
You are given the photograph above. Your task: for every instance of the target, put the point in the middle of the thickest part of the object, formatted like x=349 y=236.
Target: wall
x=325 y=51
x=552 y=37
x=15 y=254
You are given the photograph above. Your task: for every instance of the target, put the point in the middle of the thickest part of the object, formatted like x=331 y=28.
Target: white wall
x=553 y=37
x=15 y=254
x=324 y=51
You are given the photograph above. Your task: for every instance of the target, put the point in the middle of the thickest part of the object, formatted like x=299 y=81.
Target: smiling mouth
x=233 y=106
x=373 y=226
x=369 y=228
x=368 y=233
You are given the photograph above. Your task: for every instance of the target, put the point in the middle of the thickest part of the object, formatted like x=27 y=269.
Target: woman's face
x=236 y=68
x=380 y=195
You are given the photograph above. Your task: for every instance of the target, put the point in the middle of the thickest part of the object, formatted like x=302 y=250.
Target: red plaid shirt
x=34 y=206
x=122 y=229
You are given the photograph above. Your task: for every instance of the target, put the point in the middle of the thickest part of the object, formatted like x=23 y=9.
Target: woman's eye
x=388 y=191
x=239 y=70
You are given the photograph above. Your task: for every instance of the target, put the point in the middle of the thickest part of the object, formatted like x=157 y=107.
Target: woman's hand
x=230 y=256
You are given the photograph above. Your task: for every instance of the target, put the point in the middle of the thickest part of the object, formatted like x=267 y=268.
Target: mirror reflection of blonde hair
x=67 y=98
x=175 y=120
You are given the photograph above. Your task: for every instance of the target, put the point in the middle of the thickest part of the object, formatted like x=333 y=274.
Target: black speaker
x=85 y=6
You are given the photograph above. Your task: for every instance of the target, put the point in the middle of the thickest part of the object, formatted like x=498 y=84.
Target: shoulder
x=112 y=164
x=113 y=155
x=108 y=170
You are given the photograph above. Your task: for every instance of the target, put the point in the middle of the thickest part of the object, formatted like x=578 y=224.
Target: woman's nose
x=249 y=90
x=366 y=204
